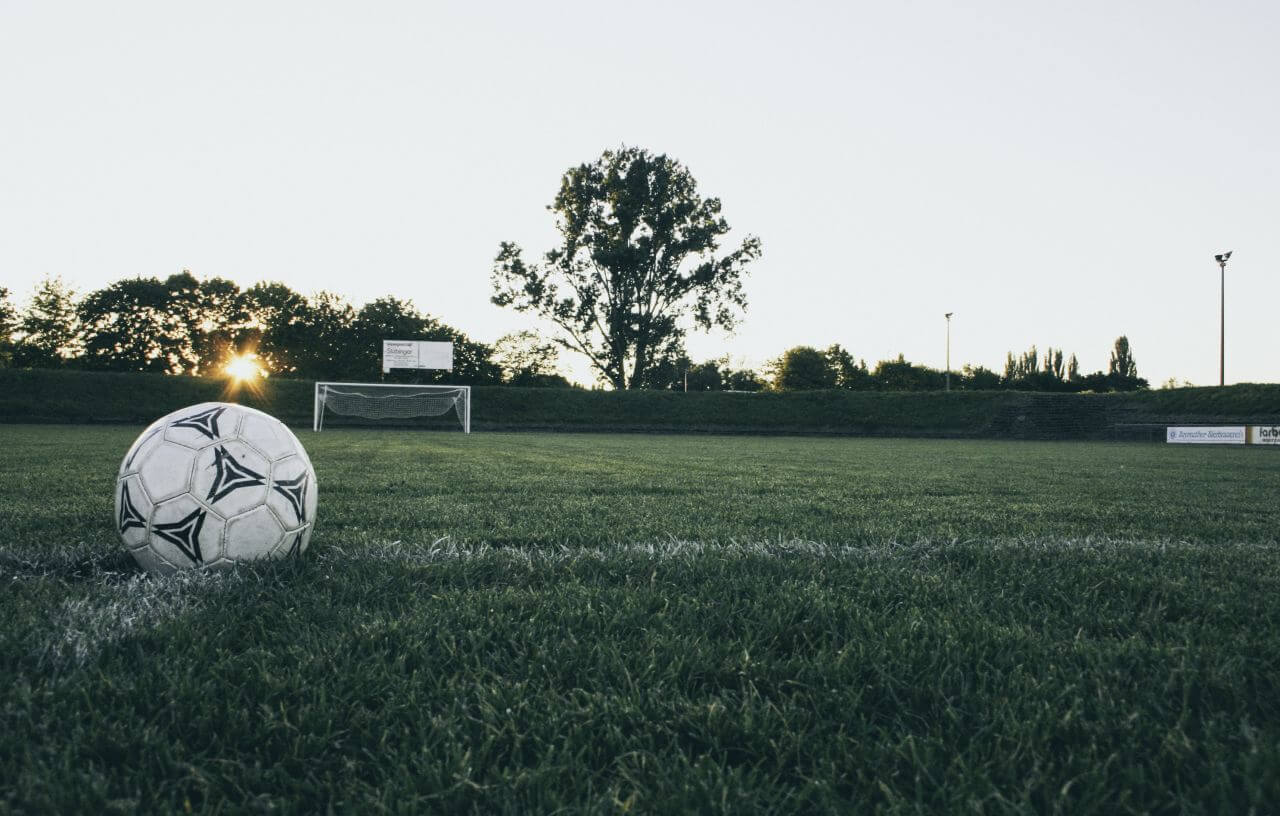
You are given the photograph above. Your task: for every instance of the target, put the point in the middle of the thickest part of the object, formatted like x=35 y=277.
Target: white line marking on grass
x=445 y=550
x=83 y=626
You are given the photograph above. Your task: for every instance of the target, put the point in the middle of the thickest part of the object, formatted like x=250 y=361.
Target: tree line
x=806 y=368
x=183 y=325
x=639 y=265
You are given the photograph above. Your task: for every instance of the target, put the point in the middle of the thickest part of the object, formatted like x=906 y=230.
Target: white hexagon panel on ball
x=253 y=535
x=214 y=485
x=165 y=470
x=147 y=440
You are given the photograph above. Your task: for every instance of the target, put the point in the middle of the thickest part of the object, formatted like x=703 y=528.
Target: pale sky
x=1054 y=173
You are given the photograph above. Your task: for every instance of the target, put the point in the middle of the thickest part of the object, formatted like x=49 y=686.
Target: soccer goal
x=391 y=403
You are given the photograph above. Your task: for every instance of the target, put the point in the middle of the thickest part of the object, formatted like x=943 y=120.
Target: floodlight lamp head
x=948 y=315
x=1222 y=258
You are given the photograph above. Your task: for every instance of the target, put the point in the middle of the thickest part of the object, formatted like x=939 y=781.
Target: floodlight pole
x=1222 y=318
x=948 y=316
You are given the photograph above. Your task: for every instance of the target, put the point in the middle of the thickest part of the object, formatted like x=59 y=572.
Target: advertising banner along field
x=1207 y=435
x=1264 y=435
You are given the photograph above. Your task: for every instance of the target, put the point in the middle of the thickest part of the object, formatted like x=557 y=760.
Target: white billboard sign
x=416 y=354
x=1264 y=435
x=1206 y=435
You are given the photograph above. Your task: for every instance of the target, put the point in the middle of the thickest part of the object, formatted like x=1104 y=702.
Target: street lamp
x=948 y=316
x=1222 y=324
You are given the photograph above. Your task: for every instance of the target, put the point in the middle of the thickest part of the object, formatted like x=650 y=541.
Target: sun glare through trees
x=243 y=368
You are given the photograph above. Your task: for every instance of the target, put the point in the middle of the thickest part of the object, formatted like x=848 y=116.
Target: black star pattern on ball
x=231 y=475
x=294 y=548
x=295 y=490
x=184 y=534
x=129 y=515
x=206 y=422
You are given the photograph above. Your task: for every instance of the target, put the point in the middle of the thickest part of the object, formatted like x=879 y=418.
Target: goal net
x=379 y=403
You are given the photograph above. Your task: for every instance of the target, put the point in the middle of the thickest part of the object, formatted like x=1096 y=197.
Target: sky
x=1055 y=174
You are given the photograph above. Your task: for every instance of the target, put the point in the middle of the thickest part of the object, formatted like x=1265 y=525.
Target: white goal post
x=387 y=401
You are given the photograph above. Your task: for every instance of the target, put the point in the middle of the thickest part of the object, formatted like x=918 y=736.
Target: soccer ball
x=215 y=485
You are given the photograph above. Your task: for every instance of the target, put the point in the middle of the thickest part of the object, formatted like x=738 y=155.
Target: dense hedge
x=78 y=397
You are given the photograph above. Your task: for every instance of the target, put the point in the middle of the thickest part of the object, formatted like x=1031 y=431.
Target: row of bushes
x=34 y=395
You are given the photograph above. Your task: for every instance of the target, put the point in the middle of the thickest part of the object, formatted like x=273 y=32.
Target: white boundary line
x=444 y=550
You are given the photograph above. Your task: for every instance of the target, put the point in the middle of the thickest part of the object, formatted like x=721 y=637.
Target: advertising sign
x=416 y=354
x=1206 y=435
x=399 y=354
x=1264 y=435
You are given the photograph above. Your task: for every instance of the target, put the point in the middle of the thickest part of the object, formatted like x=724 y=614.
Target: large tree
x=743 y=379
x=849 y=373
x=638 y=264
x=179 y=325
x=1122 y=365
x=802 y=368
x=527 y=359
x=47 y=329
x=276 y=320
x=319 y=338
x=215 y=315
x=130 y=326
x=1122 y=369
x=903 y=375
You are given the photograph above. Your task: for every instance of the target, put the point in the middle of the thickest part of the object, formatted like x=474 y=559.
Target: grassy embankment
x=80 y=397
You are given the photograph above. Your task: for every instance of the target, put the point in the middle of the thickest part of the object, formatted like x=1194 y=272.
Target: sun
x=243 y=367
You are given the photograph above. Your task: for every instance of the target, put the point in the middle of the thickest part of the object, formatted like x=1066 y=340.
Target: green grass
x=526 y=623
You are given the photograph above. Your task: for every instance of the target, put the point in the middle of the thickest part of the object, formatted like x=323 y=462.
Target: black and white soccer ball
x=215 y=485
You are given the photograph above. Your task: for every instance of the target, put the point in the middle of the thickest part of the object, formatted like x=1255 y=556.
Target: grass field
x=531 y=623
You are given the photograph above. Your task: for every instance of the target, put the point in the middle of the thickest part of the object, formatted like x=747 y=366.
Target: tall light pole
x=1222 y=319
x=948 y=316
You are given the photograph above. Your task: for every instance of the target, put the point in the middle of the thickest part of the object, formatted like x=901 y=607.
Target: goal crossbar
x=391 y=401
